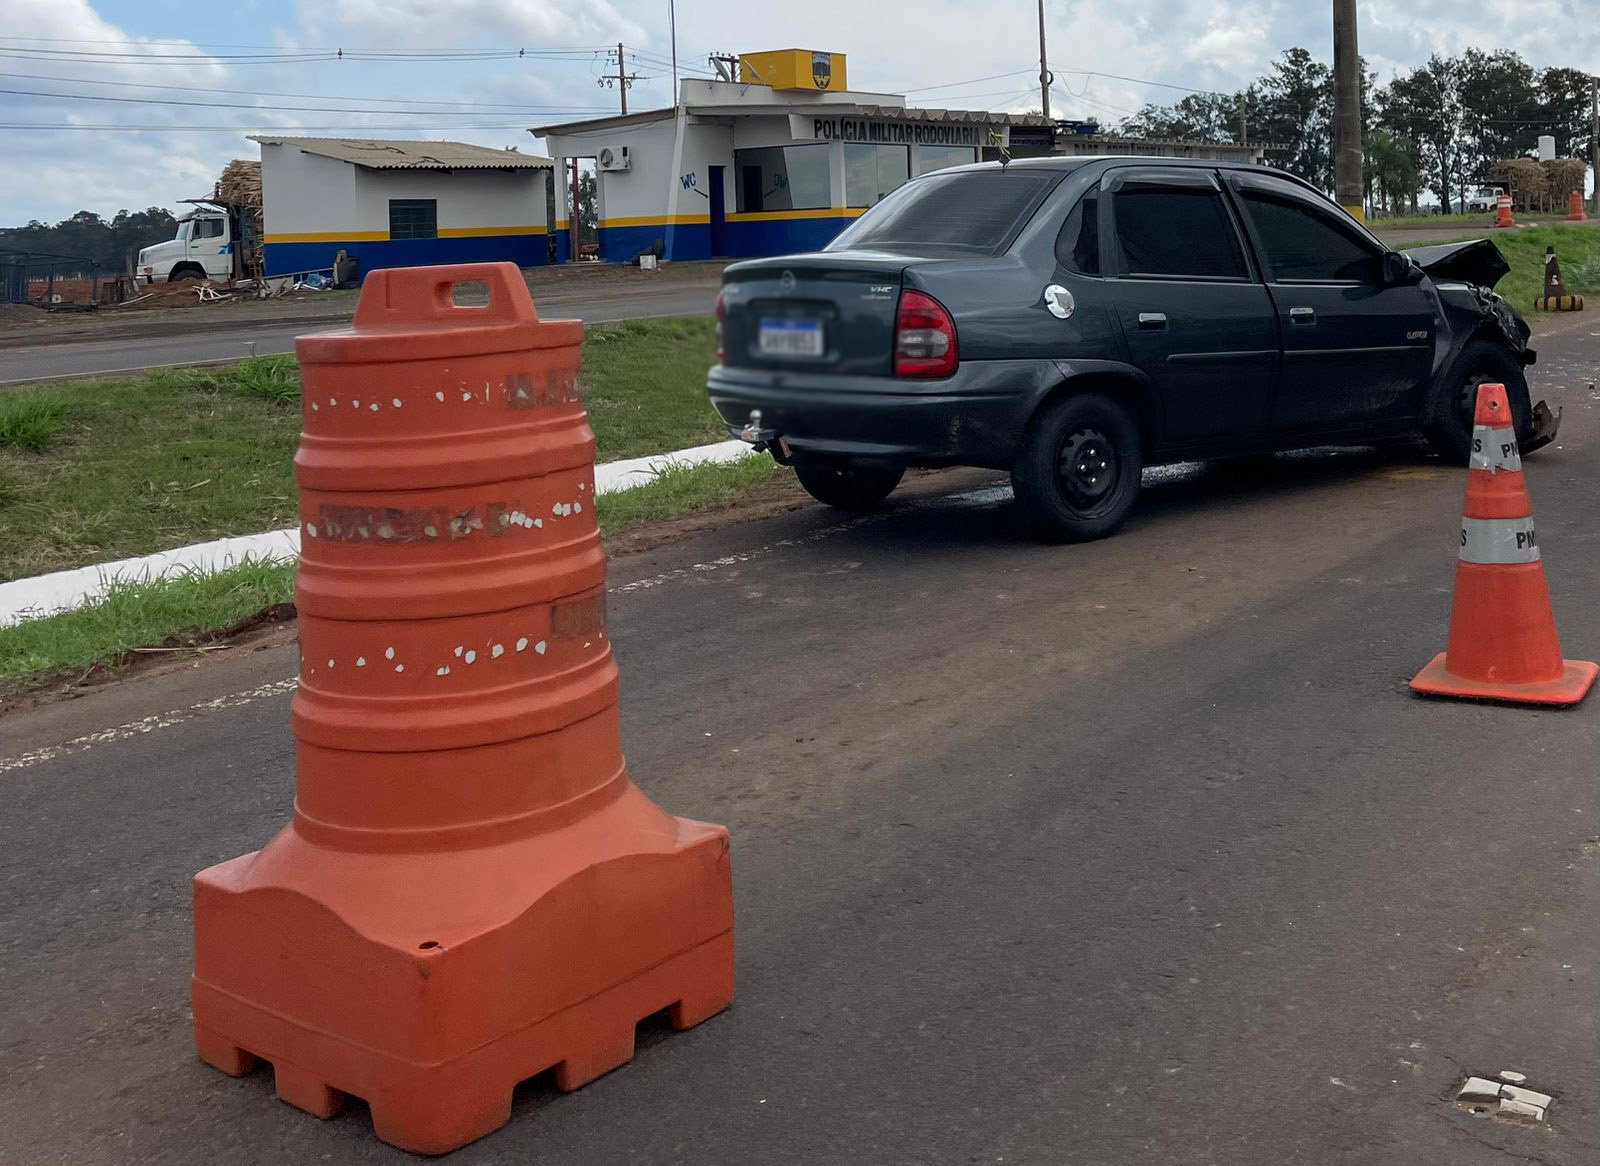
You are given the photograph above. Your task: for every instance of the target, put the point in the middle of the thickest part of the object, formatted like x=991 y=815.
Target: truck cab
x=202 y=249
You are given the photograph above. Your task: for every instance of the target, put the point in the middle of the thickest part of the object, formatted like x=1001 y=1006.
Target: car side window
x=208 y=229
x=1305 y=245
x=1078 y=244
x=1177 y=231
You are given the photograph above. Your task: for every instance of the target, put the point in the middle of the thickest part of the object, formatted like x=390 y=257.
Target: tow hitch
x=765 y=440
x=1543 y=426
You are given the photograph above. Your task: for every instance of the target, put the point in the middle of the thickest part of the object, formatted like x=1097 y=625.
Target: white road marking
x=146 y=725
x=734 y=560
x=279 y=687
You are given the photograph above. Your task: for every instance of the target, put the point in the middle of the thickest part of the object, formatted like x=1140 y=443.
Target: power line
x=294 y=56
x=497 y=107
x=970 y=81
x=271 y=108
x=248 y=128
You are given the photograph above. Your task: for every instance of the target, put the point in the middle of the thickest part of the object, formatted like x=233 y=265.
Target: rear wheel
x=849 y=487
x=1483 y=362
x=1077 y=475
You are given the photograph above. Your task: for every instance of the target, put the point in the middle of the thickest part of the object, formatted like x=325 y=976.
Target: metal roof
x=918 y=113
x=799 y=109
x=391 y=154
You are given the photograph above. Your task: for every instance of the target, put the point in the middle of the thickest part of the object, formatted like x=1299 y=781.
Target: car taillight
x=925 y=338
x=722 y=314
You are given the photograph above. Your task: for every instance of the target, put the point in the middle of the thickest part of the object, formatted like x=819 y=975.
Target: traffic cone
x=470 y=890
x=1575 y=211
x=1502 y=216
x=1503 y=643
x=1555 y=298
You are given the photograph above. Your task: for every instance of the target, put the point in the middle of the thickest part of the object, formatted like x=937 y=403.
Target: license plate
x=791 y=337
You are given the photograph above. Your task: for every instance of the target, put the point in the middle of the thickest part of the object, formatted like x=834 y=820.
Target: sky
x=494 y=68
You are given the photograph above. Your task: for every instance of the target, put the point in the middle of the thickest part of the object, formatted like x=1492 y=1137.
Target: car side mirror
x=1399 y=270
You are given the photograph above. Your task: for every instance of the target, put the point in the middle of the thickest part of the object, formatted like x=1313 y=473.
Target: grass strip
x=94 y=471
x=1578 y=251
x=183 y=613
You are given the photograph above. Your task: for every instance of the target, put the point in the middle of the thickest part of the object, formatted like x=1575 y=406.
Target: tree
x=1500 y=116
x=1199 y=117
x=1296 y=111
x=89 y=237
x=1393 y=170
x=1424 y=105
x=588 y=215
x=1563 y=105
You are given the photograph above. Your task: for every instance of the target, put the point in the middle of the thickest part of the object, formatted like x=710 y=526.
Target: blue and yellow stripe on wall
x=680 y=236
x=743 y=235
x=781 y=232
x=288 y=254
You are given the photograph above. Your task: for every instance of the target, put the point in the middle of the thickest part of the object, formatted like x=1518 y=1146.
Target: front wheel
x=1483 y=362
x=1076 y=477
x=848 y=487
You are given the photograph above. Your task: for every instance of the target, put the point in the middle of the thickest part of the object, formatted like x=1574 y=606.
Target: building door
x=718 y=210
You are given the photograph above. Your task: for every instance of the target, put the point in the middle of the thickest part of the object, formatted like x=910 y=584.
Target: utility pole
x=1244 y=119
x=1046 y=78
x=1594 y=139
x=624 y=81
x=1347 y=183
x=672 y=33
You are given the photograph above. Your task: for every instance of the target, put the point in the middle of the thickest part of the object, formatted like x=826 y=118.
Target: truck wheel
x=1077 y=475
x=849 y=487
x=1483 y=362
x=187 y=272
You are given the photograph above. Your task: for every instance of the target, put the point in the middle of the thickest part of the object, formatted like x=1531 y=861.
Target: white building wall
x=307 y=194
x=467 y=199
x=641 y=191
x=304 y=194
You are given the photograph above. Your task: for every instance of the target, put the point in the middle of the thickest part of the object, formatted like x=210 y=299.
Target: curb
x=42 y=595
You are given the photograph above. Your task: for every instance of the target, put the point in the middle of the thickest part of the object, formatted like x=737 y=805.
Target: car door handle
x=1302 y=315
x=1153 y=320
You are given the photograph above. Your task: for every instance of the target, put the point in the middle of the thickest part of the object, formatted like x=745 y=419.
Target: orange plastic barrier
x=1503 y=643
x=471 y=890
x=1502 y=214
x=1575 y=211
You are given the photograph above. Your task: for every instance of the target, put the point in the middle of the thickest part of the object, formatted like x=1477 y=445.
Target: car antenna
x=1005 y=154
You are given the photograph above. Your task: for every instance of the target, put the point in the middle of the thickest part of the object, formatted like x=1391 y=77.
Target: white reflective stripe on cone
x=1494 y=449
x=1498 y=540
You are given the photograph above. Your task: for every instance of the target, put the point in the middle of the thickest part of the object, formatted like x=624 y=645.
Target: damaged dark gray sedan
x=1074 y=320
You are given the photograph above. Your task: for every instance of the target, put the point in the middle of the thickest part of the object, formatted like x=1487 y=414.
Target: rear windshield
x=971 y=210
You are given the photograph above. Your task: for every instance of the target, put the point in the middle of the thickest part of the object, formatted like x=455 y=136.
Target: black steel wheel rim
x=1087 y=468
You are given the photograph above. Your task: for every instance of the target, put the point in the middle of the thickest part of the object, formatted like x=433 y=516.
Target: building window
x=870 y=172
x=413 y=218
x=783 y=178
x=931 y=158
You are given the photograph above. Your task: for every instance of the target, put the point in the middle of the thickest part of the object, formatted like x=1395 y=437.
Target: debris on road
x=1482 y=1097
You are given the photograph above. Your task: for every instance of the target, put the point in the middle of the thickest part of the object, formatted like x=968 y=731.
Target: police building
x=780 y=157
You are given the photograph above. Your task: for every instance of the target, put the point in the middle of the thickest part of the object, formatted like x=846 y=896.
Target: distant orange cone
x=1502 y=212
x=1503 y=643
x=1575 y=211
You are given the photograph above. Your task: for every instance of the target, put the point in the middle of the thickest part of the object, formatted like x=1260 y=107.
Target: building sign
x=822 y=69
x=903 y=133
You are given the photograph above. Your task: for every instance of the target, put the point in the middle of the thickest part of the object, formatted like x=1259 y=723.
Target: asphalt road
x=61 y=357
x=1130 y=853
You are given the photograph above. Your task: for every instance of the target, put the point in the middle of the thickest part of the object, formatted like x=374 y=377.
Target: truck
x=1482 y=198
x=219 y=240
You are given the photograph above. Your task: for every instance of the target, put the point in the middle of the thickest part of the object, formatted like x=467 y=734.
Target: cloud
x=428 y=24
x=65 y=170
x=931 y=58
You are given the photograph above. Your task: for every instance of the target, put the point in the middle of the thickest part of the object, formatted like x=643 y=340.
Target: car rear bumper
x=975 y=417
